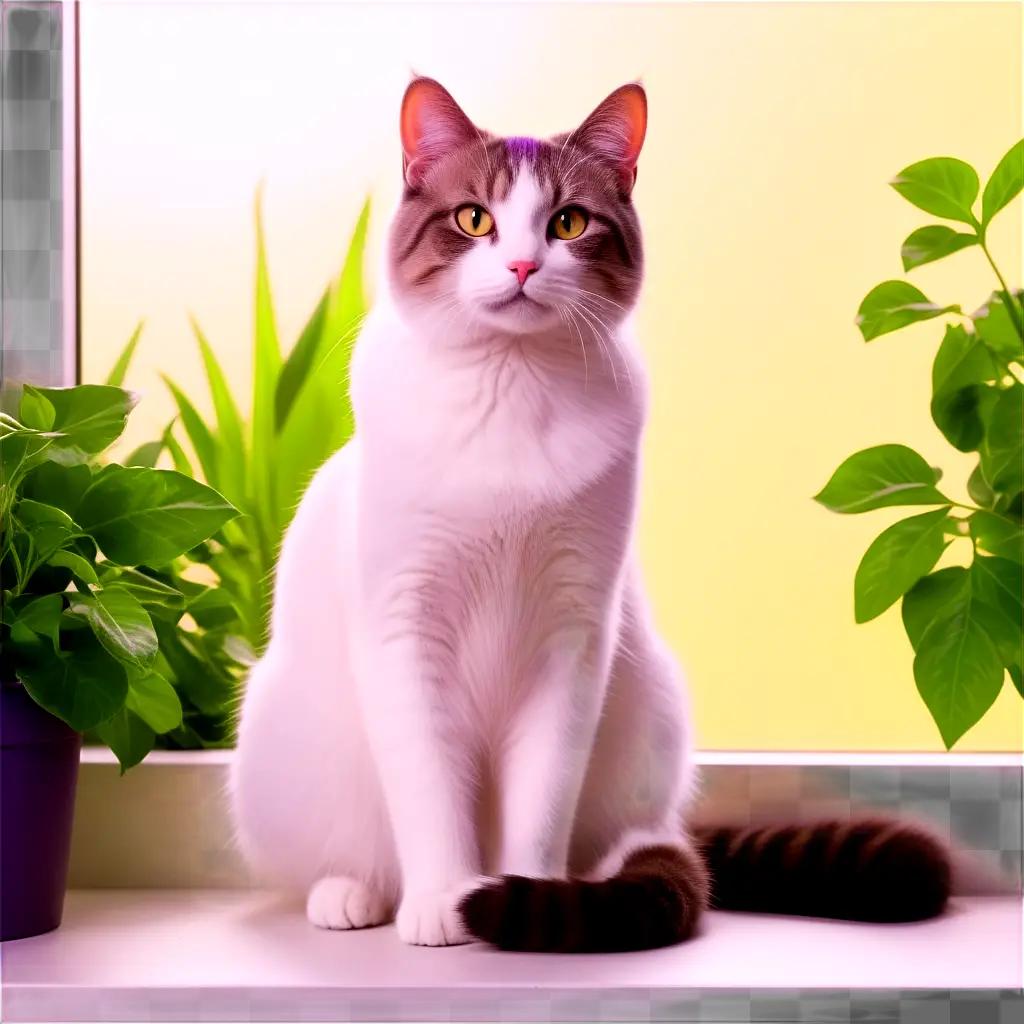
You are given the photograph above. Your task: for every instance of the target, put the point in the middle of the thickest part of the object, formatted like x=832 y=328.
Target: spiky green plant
x=300 y=415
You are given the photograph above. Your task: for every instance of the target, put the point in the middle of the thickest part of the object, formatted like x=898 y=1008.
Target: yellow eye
x=474 y=220
x=569 y=223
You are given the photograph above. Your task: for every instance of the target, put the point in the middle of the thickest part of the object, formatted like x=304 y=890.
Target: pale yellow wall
x=762 y=189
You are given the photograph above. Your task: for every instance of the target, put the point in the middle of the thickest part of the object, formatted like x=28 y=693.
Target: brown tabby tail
x=655 y=900
x=867 y=869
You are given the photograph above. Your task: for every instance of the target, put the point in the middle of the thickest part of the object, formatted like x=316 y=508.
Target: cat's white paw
x=339 y=903
x=432 y=918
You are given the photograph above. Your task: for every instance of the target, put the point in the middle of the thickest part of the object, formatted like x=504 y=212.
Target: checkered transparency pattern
x=706 y=1006
x=977 y=808
x=31 y=110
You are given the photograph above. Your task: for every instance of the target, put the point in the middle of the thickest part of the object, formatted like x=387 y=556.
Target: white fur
x=462 y=677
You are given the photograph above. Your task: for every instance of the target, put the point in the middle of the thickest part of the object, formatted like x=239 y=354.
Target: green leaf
x=1002 y=452
x=146 y=454
x=996 y=328
x=212 y=608
x=961 y=415
x=36 y=411
x=19 y=452
x=896 y=560
x=965 y=626
x=958 y=668
x=1018 y=678
x=128 y=737
x=120 y=623
x=83 y=688
x=959 y=401
x=231 y=456
x=177 y=453
x=154 y=700
x=979 y=488
x=935 y=242
x=34 y=514
x=87 y=416
x=942 y=185
x=1006 y=182
x=42 y=616
x=929 y=598
x=198 y=432
x=82 y=569
x=895 y=304
x=209 y=688
x=117 y=374
x=266 y=366
x=149 y=592
x=149 y=516
x=998 y=535
x=889 y=474
x=999 y=584
x=297 y=366
x=320 y=420
x=60 y=486
x=49 y=527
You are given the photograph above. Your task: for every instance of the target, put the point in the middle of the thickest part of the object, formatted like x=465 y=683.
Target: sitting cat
x=465 y=720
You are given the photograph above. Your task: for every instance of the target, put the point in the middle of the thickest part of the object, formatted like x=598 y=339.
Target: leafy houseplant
x=964 y=621
x=300 y=415
x=83 y=619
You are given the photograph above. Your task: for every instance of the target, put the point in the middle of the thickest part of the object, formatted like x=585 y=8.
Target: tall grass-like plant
x=964 y=622
x=300 y=415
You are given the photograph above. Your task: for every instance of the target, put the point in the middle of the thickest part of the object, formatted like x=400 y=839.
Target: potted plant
x=81 y=621
x=964 y=621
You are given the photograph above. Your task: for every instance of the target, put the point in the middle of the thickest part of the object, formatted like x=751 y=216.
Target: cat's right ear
x=432 y=124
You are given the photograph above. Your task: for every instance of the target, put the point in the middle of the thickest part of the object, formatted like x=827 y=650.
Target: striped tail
x=868 y=869
x=655 y=900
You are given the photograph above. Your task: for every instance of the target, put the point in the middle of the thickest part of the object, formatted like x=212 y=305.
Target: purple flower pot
x=38 y=772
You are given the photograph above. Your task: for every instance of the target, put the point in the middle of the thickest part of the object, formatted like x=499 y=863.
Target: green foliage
x=964 y=622
x=80 y=550
x=300 y=415
x=894 y=304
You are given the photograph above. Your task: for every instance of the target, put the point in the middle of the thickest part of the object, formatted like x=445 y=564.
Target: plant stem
x=988 y=511
x=1011 y=305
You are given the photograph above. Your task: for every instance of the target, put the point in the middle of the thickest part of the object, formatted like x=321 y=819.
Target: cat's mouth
x=519 y=298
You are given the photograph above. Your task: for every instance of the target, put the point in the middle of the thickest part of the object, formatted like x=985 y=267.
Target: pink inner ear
x=431 y=124
x=634 y=106
x=616 y=129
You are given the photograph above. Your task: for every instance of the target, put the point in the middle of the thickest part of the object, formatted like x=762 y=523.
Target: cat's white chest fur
x=480 y=425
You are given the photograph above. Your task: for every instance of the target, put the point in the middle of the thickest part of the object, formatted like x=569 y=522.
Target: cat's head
x=518 y=234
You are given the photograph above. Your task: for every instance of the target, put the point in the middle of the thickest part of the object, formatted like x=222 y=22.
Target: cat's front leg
x=546 y=757
x=427 y=781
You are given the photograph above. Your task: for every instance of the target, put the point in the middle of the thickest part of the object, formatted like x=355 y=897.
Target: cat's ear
x=432 y=124
x=616 y=129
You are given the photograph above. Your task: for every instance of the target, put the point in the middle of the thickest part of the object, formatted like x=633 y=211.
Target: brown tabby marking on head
x=461 y=164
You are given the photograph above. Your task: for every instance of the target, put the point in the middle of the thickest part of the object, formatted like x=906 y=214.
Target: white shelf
x=247 y=955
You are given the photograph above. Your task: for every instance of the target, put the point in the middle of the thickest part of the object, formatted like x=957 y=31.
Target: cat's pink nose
x=522 y=269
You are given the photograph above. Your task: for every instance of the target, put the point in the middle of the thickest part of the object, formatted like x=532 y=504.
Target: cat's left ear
x=432 y=124
x=616 y=129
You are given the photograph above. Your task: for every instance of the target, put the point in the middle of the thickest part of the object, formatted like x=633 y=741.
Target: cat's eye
x=474 y=220
x=569 y=223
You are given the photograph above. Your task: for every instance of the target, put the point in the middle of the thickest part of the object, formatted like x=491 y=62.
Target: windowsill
x=200 y=954
x=166 y=824
x=823 y=758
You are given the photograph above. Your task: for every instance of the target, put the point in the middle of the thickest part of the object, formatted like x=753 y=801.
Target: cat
x=465 y=720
